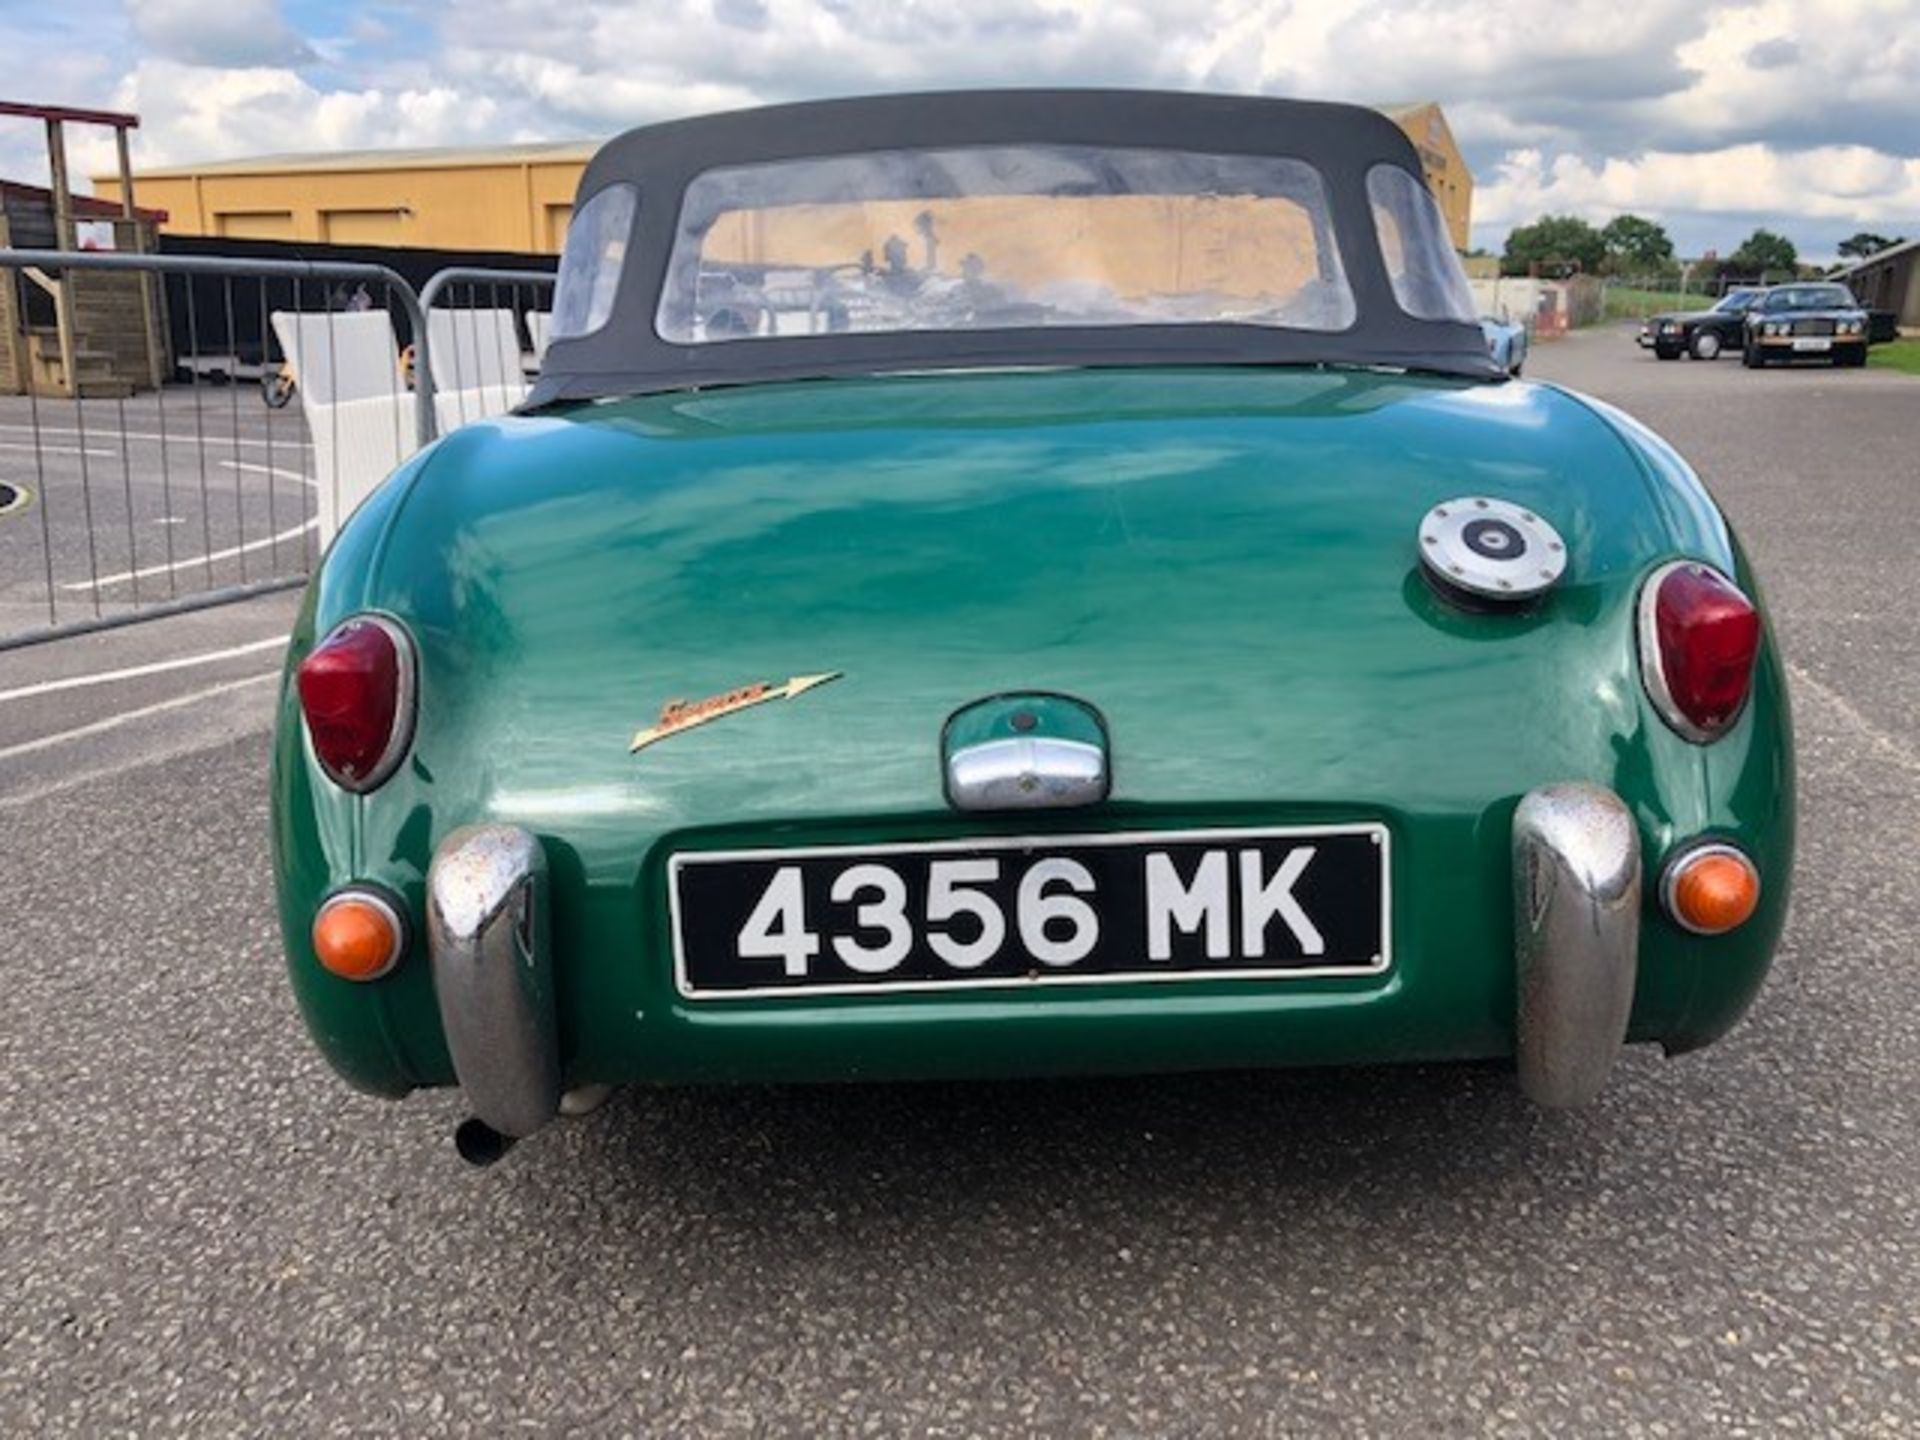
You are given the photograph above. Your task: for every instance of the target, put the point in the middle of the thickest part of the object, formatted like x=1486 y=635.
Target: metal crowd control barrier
x=120 y=500
x=485 y=350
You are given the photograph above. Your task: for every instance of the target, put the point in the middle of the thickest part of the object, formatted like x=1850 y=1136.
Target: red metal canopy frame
x=118 y=119
x=55 y=118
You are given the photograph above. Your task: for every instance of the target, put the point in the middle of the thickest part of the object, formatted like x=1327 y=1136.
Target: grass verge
x=1625 y=304
x=1902 y=355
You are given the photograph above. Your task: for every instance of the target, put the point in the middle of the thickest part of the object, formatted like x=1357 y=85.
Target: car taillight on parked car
x=356 y=691
x=1699 y=636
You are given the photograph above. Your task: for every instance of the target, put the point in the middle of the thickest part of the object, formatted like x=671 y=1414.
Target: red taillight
x=1698 y=639
x=356 y=690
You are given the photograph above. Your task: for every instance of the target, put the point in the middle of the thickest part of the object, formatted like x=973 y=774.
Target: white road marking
x=1891 y=746
x=273 y=470
x=172 y=437
x=131 y=672
x=188 y=564
x=33 y=449
x=114 y=722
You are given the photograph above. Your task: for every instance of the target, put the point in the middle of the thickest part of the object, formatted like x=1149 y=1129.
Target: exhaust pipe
x=479 y=1144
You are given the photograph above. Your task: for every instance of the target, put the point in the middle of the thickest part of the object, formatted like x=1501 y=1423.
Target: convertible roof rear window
x=1428 y=282
x=1002 y=237
x=591 y=263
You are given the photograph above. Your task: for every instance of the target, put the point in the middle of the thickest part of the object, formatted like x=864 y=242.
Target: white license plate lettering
x=953 y=890
x=885 y=912
x=1199 y=904
x=777 y=928
x=1264 y=899
x=1056 y=925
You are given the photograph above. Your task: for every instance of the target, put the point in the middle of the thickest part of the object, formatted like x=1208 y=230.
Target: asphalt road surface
x=112 y=504
x=202 y=1231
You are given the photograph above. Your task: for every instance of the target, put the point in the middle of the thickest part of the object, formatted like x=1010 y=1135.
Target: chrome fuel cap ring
x=1491 y=549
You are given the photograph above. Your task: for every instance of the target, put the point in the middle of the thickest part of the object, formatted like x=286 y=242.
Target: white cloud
x=1807 y=111
x=191 y=112
x=1737 y=188
x=1743 y=180
x=1809 y=72
x=218 y=32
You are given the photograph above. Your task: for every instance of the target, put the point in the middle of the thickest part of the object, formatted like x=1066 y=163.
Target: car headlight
x=1670 y=327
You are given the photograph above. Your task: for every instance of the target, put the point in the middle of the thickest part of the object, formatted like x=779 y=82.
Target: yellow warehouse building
x=507 y=198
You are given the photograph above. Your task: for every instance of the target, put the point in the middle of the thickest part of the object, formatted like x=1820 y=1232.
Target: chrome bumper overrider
x=493 y=972
x=1576 y=888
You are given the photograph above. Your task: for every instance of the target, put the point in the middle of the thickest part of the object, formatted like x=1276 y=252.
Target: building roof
x=1874 y=259
x=444 y=157
x=453 y=157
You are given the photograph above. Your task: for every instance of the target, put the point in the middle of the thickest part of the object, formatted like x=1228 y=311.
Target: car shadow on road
x=929 y=1156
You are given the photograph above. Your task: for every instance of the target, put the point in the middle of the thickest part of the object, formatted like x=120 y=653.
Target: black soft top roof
x=628 y=356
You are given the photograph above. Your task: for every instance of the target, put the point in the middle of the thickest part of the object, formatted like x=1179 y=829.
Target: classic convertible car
x=1010 y=584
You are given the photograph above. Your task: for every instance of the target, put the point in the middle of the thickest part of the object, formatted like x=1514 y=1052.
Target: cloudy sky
x=1801 y=115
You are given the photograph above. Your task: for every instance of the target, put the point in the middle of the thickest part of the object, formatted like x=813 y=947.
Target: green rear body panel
x=1221 y=562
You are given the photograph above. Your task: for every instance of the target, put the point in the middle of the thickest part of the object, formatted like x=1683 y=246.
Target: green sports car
x=1024 y=583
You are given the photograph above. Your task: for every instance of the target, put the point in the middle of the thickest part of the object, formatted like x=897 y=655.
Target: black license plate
x=1186 y=905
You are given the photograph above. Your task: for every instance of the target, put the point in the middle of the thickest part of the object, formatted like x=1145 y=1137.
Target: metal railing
x=485 y=351
x=298 y=271
x=122 y=499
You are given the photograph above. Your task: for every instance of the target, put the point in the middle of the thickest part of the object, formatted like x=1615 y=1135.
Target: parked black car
x=1703 y=334
x=1814 y=321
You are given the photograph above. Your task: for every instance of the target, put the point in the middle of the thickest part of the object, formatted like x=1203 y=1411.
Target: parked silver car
x=1506 y=342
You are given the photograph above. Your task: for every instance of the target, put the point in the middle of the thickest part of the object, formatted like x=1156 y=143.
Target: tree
x=1636 y=246
x=1763 y=254
x=1555 y=245
x=1858 y=247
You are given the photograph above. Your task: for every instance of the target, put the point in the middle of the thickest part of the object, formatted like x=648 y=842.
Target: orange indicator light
x=1712 y=889
x=358 y=935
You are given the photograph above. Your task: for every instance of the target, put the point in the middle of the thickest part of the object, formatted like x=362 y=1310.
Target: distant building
x=508 y=198
x=1889 y=280
x=1447 y=173
x=514 y=197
